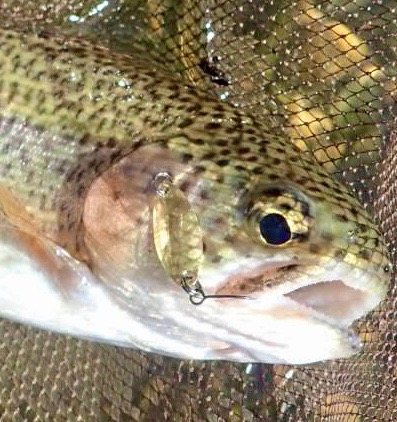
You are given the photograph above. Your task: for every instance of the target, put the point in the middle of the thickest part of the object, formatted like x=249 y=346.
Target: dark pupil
x=274 y=229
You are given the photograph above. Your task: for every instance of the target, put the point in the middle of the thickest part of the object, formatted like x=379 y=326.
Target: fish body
x=83 y=133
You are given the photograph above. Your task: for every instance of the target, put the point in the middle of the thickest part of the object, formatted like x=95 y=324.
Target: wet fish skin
x=98 y=101
x=93 y=100
x=71 y=109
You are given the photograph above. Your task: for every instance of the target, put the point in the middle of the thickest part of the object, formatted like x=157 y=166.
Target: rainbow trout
x=89 y=243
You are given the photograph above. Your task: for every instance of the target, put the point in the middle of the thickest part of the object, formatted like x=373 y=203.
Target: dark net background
x=323 y=73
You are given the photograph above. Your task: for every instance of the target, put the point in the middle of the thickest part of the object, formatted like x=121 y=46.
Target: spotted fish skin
x=71 y=109
x=92 y=107
x=89 y=107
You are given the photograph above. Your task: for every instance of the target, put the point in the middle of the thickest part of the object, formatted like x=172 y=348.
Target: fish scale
x=187 y=135
x=90 y=98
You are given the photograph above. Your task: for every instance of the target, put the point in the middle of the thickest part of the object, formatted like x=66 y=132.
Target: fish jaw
x=52 y=290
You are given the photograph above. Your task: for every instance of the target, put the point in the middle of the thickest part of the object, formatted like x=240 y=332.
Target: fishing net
x=322 y=73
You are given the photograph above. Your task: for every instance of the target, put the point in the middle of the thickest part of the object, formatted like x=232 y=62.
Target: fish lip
x=338 y=296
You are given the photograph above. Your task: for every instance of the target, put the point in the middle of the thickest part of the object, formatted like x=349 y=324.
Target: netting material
x=275 y=59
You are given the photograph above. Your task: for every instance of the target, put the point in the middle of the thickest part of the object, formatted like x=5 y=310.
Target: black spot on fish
x=273 y=176
x=184 y=186
x=314 y=248
x=208 y=155
x=342 y=218
x=252 y=158
x=185 y=123
x=193 y=108
x=274 y=192
x=364 y=254
x=111 y=143
x=243 y=150
x=204 y=195
x=230 y=130
x=84 y=139
x=222 y=142
x=315 y=189
x=212 y=125
x=219 y=107
x=199 y=169
x=198 y=141
x=222 y=163
x=186 y=157
x=257 y=170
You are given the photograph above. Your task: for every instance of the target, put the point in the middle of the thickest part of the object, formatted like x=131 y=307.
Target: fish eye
x=277 y=217
x=274 y=229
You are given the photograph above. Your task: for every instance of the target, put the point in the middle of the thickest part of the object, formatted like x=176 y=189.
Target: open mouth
x=332 y=298
x=328 y=296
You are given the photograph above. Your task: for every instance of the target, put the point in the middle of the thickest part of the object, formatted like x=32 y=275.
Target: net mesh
x=322 y=72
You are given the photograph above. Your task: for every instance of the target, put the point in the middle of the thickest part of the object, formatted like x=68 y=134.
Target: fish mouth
x=339 y=296
x=333 y=298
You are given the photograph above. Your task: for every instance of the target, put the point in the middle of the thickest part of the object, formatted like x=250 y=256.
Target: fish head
x=303 y=236
x=289 y=257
